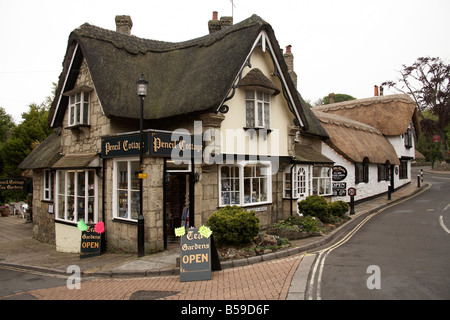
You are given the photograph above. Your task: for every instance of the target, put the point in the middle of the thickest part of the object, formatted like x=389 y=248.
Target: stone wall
x=43 y=224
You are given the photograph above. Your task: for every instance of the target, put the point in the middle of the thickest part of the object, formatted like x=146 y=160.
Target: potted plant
x=5 y=210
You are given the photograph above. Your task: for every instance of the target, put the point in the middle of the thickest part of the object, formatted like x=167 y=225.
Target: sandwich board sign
x=198 y=255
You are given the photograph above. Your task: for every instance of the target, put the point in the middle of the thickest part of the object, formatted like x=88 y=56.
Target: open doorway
x=177 y=201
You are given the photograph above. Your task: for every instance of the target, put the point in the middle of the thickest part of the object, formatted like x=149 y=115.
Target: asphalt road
x=402 y=252
x=14 y=283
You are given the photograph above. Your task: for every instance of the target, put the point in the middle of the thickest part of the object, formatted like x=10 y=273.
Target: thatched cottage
x=371 y=142
x=223 y=125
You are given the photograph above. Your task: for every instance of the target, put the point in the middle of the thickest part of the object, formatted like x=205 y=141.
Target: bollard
x=421 y=175
x=418 y=181
x=389 y=193
x=352 y=205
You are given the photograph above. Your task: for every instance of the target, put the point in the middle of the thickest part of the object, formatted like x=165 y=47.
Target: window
x=79 y=109
x=301 y=182
x=322 y=181
x=48 y=185
x=257 y=107
x=126 y=189
x=245 y=184
x=230 y=185
x=76 y=196
x=403 y=169
x=383 y=172
x=362 y=172
x=255 y=183
x=408 y=139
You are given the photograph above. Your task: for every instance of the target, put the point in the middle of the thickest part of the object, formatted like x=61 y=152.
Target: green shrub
x=297 y=223
x=338 y=208
x=326 y=212
x=315 y=206
x=233 y=225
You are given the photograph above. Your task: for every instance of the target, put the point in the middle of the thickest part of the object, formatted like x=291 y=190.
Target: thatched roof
x=390 y=114
x=184 y=78
x=46 y=154
x=356 y=141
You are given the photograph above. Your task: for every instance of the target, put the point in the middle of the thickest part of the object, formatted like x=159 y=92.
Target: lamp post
x=142 y=86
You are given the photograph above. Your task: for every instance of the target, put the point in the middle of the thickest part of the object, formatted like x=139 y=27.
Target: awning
x=78 y=161
x=307 y=154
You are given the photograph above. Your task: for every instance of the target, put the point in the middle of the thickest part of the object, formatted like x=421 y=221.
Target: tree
x=338 y=97
x=25 y=136
x=427 y=81
x=6 y=124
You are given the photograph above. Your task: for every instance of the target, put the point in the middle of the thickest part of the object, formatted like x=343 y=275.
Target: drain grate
x=152 y=295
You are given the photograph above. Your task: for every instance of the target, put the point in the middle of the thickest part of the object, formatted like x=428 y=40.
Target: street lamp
x=142 y=86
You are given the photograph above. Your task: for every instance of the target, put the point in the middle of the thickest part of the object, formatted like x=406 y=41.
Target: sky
x=344 y=46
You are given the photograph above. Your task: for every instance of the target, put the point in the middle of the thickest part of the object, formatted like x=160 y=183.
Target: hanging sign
x=12 y=184
x=339 y=173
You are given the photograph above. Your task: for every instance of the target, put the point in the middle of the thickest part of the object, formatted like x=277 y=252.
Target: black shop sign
x=90 y=243
x=339 y=173
x=198 y=257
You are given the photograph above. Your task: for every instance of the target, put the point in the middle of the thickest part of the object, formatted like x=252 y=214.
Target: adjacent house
x=371 y=142
x=223 y=125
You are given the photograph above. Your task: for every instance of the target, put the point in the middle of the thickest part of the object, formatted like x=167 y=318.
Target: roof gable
x=185 y=77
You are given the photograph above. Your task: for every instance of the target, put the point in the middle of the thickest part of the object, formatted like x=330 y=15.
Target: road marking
x=448 y=206
x=441 y=221
x=322 y=254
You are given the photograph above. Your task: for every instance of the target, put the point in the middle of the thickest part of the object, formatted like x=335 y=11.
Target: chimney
x=375 y=89
x=331 y=96
x=215 y=24
x=289 y=59
x=124 y=24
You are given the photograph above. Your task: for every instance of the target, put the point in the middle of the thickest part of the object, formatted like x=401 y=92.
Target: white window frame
x=77 y=216
x=116 y=214
x=323 y=181
x=266 y=177
x=78 y=106
x=47 y=187
x=301 y=182
x=261 y=101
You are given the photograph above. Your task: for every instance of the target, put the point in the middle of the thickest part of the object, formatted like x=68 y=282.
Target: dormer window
x=257 y=109
x=78 y=108
x=258 y=92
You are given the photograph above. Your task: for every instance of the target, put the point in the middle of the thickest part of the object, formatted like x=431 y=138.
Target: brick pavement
x=268 y=280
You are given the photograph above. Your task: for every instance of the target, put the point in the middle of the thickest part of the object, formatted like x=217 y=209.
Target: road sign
x=351 y=192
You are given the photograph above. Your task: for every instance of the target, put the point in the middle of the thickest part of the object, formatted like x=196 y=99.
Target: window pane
x=85 y=113
x=122 y=177
x=134 y=204
x=260 y=115
x=123 y=203
x=266 y=115
x=249 y=94
x=250 y=114
x=134 y=165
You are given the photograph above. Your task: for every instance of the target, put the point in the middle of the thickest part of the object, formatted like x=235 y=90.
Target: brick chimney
x=124 y=24
x=215 y=24
x=289 y=59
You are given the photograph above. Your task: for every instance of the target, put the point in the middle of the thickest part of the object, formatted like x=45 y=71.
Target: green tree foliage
x=23 y=139
x=427 y=81
x=338 y=97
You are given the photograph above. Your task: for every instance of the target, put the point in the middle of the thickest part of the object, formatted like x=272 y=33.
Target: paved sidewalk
x=125 y=276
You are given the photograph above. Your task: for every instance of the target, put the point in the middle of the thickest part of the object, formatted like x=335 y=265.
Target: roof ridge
x=365 y=102
x=135 y=45
x=345 y=122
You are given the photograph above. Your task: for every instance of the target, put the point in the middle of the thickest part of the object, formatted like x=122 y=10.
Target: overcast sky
x=344 y=46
